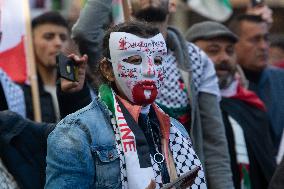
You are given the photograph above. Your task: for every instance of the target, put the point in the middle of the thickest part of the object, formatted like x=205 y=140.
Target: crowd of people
x=151 y=106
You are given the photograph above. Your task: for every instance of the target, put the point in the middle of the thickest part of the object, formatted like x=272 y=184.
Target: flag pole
x=31 y=64
x=126 y=11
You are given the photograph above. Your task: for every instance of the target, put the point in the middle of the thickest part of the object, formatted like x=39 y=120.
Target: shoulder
x=203 y=71
x=82 y=122
x=274 y=74
x=11 y=125
x=197 y=55
x=194 y=51
x=193 y=47
x=271 y=70
x=86 y=113
x=175 y=123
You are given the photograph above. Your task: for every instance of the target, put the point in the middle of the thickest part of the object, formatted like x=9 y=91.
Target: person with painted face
x=190 y=93
x=244 y=114
x=123 y=139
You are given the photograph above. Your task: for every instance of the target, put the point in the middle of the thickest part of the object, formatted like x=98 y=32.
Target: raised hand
x=75 y=86
x=261 y=10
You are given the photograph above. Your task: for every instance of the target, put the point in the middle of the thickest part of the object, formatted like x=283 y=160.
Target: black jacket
x=46 y=103
x=277 y=181
x=71 y=102
x=256 y=128
x=23 y=149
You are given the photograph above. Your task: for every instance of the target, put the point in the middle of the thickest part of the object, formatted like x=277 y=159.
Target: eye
x=158 y=60
x=63 y=37
x=49 y=36
x=136 y=60
x=230 y=50
x=212 y=50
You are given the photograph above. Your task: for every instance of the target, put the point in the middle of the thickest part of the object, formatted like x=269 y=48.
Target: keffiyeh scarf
x=13 y=94
x=137 y=166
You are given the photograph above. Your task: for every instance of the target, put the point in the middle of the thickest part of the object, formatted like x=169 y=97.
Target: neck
x=145 y=109
x=48 y=76
x=252 y=76
x=230 y=90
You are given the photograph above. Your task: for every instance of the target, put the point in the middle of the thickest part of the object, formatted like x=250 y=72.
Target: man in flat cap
x=244 y=114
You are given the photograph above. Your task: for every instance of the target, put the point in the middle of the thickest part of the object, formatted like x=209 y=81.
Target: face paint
x=137 y=65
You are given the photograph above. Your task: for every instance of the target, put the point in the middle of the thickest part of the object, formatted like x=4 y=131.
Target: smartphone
x=66 y=67
x=255 y=3
x=184 y=181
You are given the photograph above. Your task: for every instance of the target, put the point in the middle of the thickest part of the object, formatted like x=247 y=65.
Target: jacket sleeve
x=71 y=102
x=216 y=154
x=89 y=30
x=23 y=148
x=69 y=158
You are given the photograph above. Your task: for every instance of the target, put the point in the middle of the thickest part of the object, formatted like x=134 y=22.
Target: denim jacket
x=81 y=151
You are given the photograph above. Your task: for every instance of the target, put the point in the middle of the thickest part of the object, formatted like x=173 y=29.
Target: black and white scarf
x=14 y=94
x=137 y=166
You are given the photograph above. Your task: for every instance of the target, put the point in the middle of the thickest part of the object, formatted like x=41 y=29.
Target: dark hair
x=234 y=25
x=50 y=17
x=141 y=29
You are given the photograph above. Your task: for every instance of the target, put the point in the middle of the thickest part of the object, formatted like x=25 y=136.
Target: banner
x=219 y=10
x=12 y=46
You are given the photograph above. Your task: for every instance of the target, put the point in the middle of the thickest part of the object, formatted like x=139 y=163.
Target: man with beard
x=252 y=51
x=190 y=93
x=245 y=118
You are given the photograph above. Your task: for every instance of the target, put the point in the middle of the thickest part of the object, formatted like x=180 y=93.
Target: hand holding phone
x=67 y=67
x=72 y=70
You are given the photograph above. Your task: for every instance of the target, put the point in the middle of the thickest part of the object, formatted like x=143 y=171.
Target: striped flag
x=12 y=46
x=219 y=10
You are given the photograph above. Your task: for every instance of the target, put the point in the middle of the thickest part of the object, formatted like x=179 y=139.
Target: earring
x=108 y=81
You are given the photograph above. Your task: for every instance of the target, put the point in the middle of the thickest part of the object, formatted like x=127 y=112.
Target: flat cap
x=208 y=30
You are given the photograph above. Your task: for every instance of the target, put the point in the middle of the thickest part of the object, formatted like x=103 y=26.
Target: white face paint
x=137 y=65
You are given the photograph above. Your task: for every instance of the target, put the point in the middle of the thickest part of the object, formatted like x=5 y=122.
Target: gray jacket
x=207 y=131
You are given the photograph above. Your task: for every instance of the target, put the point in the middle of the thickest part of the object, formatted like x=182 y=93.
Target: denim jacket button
x=110 y=156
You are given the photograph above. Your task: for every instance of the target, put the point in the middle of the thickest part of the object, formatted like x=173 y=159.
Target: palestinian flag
x=219 y=10
x=13 y=35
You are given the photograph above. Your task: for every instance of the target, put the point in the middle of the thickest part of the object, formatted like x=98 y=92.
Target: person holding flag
x=50 y=36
